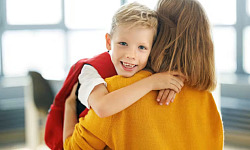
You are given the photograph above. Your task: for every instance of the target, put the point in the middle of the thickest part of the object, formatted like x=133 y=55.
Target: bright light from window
x=92 y=14
x=85 y=44
x=41 y=51
x=150 y=3
x=225 y=49
x=246 y=53
x=220 y=11
x=248 y=7
x=21 y=12
x=213 y=9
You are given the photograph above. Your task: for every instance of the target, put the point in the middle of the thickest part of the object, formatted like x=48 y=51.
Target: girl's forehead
x=125 y=28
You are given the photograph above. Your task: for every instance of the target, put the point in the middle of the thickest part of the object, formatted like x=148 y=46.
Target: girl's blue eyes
x=142 y=47
x=125 y=44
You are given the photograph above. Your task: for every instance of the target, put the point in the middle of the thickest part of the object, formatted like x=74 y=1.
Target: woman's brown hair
x=184 y=43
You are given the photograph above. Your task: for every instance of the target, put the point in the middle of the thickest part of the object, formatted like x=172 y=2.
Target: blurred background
x=48 y=36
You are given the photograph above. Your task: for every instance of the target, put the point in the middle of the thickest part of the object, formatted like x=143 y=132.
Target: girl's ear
x=108 y=41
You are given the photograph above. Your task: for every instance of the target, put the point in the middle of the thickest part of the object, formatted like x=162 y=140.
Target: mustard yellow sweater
x=192 y=122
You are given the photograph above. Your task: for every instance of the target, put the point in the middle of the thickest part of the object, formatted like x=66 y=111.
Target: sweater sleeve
x=83 y=139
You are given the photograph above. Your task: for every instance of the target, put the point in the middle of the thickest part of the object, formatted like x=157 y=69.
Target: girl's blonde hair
x=184 y=43
x=134 y=14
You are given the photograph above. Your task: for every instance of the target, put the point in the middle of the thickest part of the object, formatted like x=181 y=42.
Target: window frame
x=242 y=21
x=4 y=26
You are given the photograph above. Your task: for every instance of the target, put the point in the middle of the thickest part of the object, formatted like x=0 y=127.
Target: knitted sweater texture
x=192 y=122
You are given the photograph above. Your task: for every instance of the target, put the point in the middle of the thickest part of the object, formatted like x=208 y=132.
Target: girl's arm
x=70 y=117
x=88 y=140
x=106 y=104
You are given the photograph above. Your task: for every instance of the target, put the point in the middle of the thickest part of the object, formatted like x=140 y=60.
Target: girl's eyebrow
x=145 y=44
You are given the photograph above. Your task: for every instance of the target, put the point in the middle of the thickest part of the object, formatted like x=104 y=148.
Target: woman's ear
x=108 y=41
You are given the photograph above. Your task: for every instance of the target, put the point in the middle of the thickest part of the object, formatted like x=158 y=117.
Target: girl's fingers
x=72 y=97
x=75 y=86
x=160 y=95
x=164 y=97
x=173 y=98
x=170 y=97
x=74 y=89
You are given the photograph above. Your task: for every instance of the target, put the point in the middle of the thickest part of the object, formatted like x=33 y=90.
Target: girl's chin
x=126 y=74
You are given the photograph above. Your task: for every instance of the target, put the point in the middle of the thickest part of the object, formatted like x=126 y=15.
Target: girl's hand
x=167 y=80
x=166 y=96
x=71 y=99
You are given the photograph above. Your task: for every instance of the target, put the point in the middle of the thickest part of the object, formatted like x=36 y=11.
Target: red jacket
x=54 y=124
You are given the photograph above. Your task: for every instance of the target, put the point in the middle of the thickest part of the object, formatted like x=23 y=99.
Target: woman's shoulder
x=193 y=97
x=193 y=91
x=137 y=76
x=118 y=81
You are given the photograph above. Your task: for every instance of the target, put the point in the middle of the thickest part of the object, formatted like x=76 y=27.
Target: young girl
x=133 y=31
x=193 y=122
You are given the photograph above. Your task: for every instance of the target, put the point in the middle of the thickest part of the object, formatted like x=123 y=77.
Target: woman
x=192 y=122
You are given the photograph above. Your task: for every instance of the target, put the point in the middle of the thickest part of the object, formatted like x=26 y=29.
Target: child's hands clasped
x=169 y=83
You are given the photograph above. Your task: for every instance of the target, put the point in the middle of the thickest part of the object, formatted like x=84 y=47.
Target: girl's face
x=130 y=48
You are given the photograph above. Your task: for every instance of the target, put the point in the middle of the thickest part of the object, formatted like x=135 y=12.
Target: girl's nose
x=131 y=54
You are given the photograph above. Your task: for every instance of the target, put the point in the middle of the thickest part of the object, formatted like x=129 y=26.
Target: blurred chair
x=43 y=95
x=38 y=98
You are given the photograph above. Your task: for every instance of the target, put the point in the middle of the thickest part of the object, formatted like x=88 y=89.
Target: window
x=150 y=3
x=225 y=49
x=248 y=7
x=224 y=33
x=92 y=14
x=85 y=44
x=40 y=50
x=23 y=12
x=87 y=24
x=246 y=54
x=215 y=14
x=74 y=27
x=43 y=35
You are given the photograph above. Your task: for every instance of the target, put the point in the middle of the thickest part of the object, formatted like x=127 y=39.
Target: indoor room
x=41 y=39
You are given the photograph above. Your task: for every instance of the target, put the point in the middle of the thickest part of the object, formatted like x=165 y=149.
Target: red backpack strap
x=103 y=65
x=54 y=123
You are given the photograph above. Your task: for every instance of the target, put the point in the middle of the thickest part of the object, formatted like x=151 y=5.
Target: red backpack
x=54 y=124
